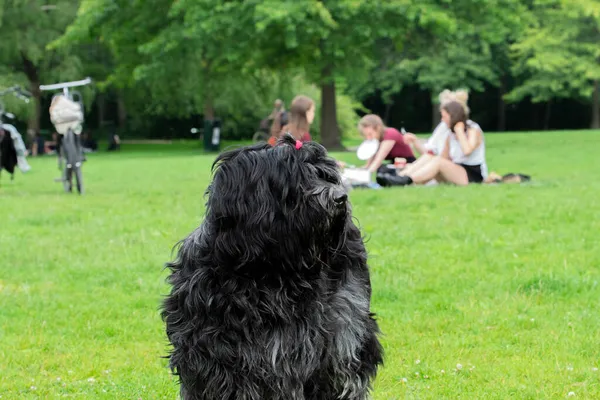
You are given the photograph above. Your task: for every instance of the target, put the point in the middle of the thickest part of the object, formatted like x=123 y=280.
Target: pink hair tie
x=298 y=144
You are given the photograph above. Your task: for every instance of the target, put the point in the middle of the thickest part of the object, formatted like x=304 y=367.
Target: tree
x=27 y=28
x=119 y=28
x=557 y=56
x=182 y=58
x=331 y=40
x=448 y=45
x=202 y=55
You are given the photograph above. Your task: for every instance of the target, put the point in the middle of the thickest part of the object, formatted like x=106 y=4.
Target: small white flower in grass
x=33 y=388
x=58 y=379
x=458 y=367
x=442 y=372
x=417 y=374
x=532 y=319
x=569 y=368
x=418 y=362
x=426 y=376
x=91 y=380
x=404 y=380
x=571 y=394
x=107 y=371
x=595 y=369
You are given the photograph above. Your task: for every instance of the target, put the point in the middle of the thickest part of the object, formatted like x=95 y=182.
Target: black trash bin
x=212 y=135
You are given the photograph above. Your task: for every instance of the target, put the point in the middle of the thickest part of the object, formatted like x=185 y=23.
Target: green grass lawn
x=501 y=280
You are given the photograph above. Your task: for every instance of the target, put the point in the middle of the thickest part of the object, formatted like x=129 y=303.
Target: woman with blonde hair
x=462 y=160
x=436 y=142
x=391 y=145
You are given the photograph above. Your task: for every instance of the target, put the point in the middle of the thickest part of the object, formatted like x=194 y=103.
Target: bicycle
x=70 y=150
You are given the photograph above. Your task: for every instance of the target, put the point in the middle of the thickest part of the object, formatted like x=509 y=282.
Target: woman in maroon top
x=392 y=142
x=301 y=115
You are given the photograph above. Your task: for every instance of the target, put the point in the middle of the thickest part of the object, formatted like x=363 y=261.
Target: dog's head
x=280 y=204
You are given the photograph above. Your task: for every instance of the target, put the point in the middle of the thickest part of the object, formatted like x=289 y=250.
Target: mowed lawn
x=485 y=292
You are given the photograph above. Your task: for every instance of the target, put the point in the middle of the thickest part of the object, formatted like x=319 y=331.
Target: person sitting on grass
x=392 y=144
x=436 y=142
x=114 y=141
x=461 y=159
x=301 y=116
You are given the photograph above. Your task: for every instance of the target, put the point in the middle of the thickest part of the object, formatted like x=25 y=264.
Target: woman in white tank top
x=462 y=160
x=477 y=157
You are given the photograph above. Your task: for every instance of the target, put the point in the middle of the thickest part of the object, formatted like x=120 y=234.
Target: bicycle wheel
x=260 y=136
x=68 y=179
x=79 y=179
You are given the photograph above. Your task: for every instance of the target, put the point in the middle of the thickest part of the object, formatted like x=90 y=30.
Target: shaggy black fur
x=271 y=294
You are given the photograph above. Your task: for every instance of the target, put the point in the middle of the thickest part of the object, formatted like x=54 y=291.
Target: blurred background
x=162 y=67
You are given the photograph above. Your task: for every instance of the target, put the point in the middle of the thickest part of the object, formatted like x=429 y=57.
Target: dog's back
x=270 y=296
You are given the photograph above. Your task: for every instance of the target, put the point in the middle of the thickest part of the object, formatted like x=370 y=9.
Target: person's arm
x=467 y=143
x=446 y=152
x=412 y=140
x=420 y=146
x=384 y=150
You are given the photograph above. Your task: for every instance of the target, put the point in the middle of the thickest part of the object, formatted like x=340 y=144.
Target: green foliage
x=193 y=57
x=26 y=31
x=202 y=57
x=27 y=28
x=447 y=45
x=500 y=278
x=12 y=103
x=558 y=53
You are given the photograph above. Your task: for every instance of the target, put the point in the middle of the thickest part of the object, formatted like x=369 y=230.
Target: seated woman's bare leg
x=443 y=170
x=414 y=167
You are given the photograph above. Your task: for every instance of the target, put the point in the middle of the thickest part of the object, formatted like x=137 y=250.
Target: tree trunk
x=121 y=111
x=101 y=108
x=388 y=108
x=330 y=130
x=547 y=115
x=209 y=103
x=435 y=113
x=501 y=107
x=596 y=106
x=30 y=70
x=209 y=109
x=33 y=124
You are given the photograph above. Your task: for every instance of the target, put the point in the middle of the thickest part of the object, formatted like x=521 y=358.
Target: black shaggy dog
x=270 y=296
